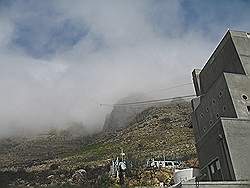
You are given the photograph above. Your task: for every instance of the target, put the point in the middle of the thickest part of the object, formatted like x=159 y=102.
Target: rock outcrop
x=120 y=116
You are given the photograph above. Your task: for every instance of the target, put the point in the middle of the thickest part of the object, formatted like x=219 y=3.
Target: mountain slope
x=154 y=132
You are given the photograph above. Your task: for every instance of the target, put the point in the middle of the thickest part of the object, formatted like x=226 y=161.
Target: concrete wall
x=237 y=135
x=232 y=184
x=224 y=99
x=231 y=55
x=185 y=174
x=215 y=104
x=241 y=42
x=221 y=113
x=224 y=59
x=239 y=87
x=211 y=147
x=228 y=141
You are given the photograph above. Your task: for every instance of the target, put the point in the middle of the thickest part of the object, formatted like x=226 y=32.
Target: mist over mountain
x=121 y=115
x=61 y=60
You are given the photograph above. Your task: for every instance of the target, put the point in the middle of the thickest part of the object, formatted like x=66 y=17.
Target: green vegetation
x=155 y=132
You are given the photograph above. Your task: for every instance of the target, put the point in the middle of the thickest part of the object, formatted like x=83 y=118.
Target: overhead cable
x=169 y=88
x=151 y=101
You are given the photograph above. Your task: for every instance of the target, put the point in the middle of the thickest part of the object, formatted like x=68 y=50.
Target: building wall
x=230 y=184
x=224 y=59
x=227 y=138
x=229 y=142
x=239 y=87
x=237 y=135
x=213 y=147
x=242 y=45
x=231 y=56
x=221 y=112
x=215 y=104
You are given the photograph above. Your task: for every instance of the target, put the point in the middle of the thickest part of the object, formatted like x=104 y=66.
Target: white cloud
x=6 y=30
x=130 y=46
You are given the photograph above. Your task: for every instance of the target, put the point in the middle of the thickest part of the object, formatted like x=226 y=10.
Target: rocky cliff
x=120 y=116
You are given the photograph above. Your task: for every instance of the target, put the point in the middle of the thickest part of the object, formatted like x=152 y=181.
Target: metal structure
x=118 y=168
x=221 y=111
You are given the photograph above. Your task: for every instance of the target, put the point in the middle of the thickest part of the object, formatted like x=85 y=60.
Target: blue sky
x=61 y=59
x=41 y=28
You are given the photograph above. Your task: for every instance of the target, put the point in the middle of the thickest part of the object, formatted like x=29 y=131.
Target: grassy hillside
x=155 y=132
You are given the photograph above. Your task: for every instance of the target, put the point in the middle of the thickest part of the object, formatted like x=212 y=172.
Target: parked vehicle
x=163 y=163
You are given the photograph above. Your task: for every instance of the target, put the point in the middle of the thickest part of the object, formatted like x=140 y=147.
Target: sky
x=60 y=59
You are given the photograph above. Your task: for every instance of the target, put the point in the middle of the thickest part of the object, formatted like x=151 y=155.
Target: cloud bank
x=60 y=59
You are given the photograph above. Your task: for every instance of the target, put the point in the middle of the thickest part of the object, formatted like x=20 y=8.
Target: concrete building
x=221 y=111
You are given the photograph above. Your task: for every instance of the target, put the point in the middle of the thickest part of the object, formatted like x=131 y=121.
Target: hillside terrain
x=56 y=158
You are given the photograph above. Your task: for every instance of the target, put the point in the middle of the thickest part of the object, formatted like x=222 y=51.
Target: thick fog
x=59 y=60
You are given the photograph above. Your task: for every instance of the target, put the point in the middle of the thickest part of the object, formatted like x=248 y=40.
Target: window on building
x=215 y=170
x=212 y=169
x=248 y=35
x=248 y=108
x=245 y=97
x=213 y=101
x=217 y=115
x=176 y=163
x=220 y=94
x=169 y=164
x=217 y=162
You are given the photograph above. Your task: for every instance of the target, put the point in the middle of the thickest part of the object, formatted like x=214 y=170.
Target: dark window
x=213 y=101
x=176 y=163
x=215 y=171
x=169 y=164
x=217 y=163
x=212 y=169
x=220 y=94
x=244 y=97
x=248 y=108
x=248 y=35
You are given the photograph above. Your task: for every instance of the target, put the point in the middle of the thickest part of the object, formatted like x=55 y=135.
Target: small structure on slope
x=185 y=174
x=118 y=168
x=162 y=163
